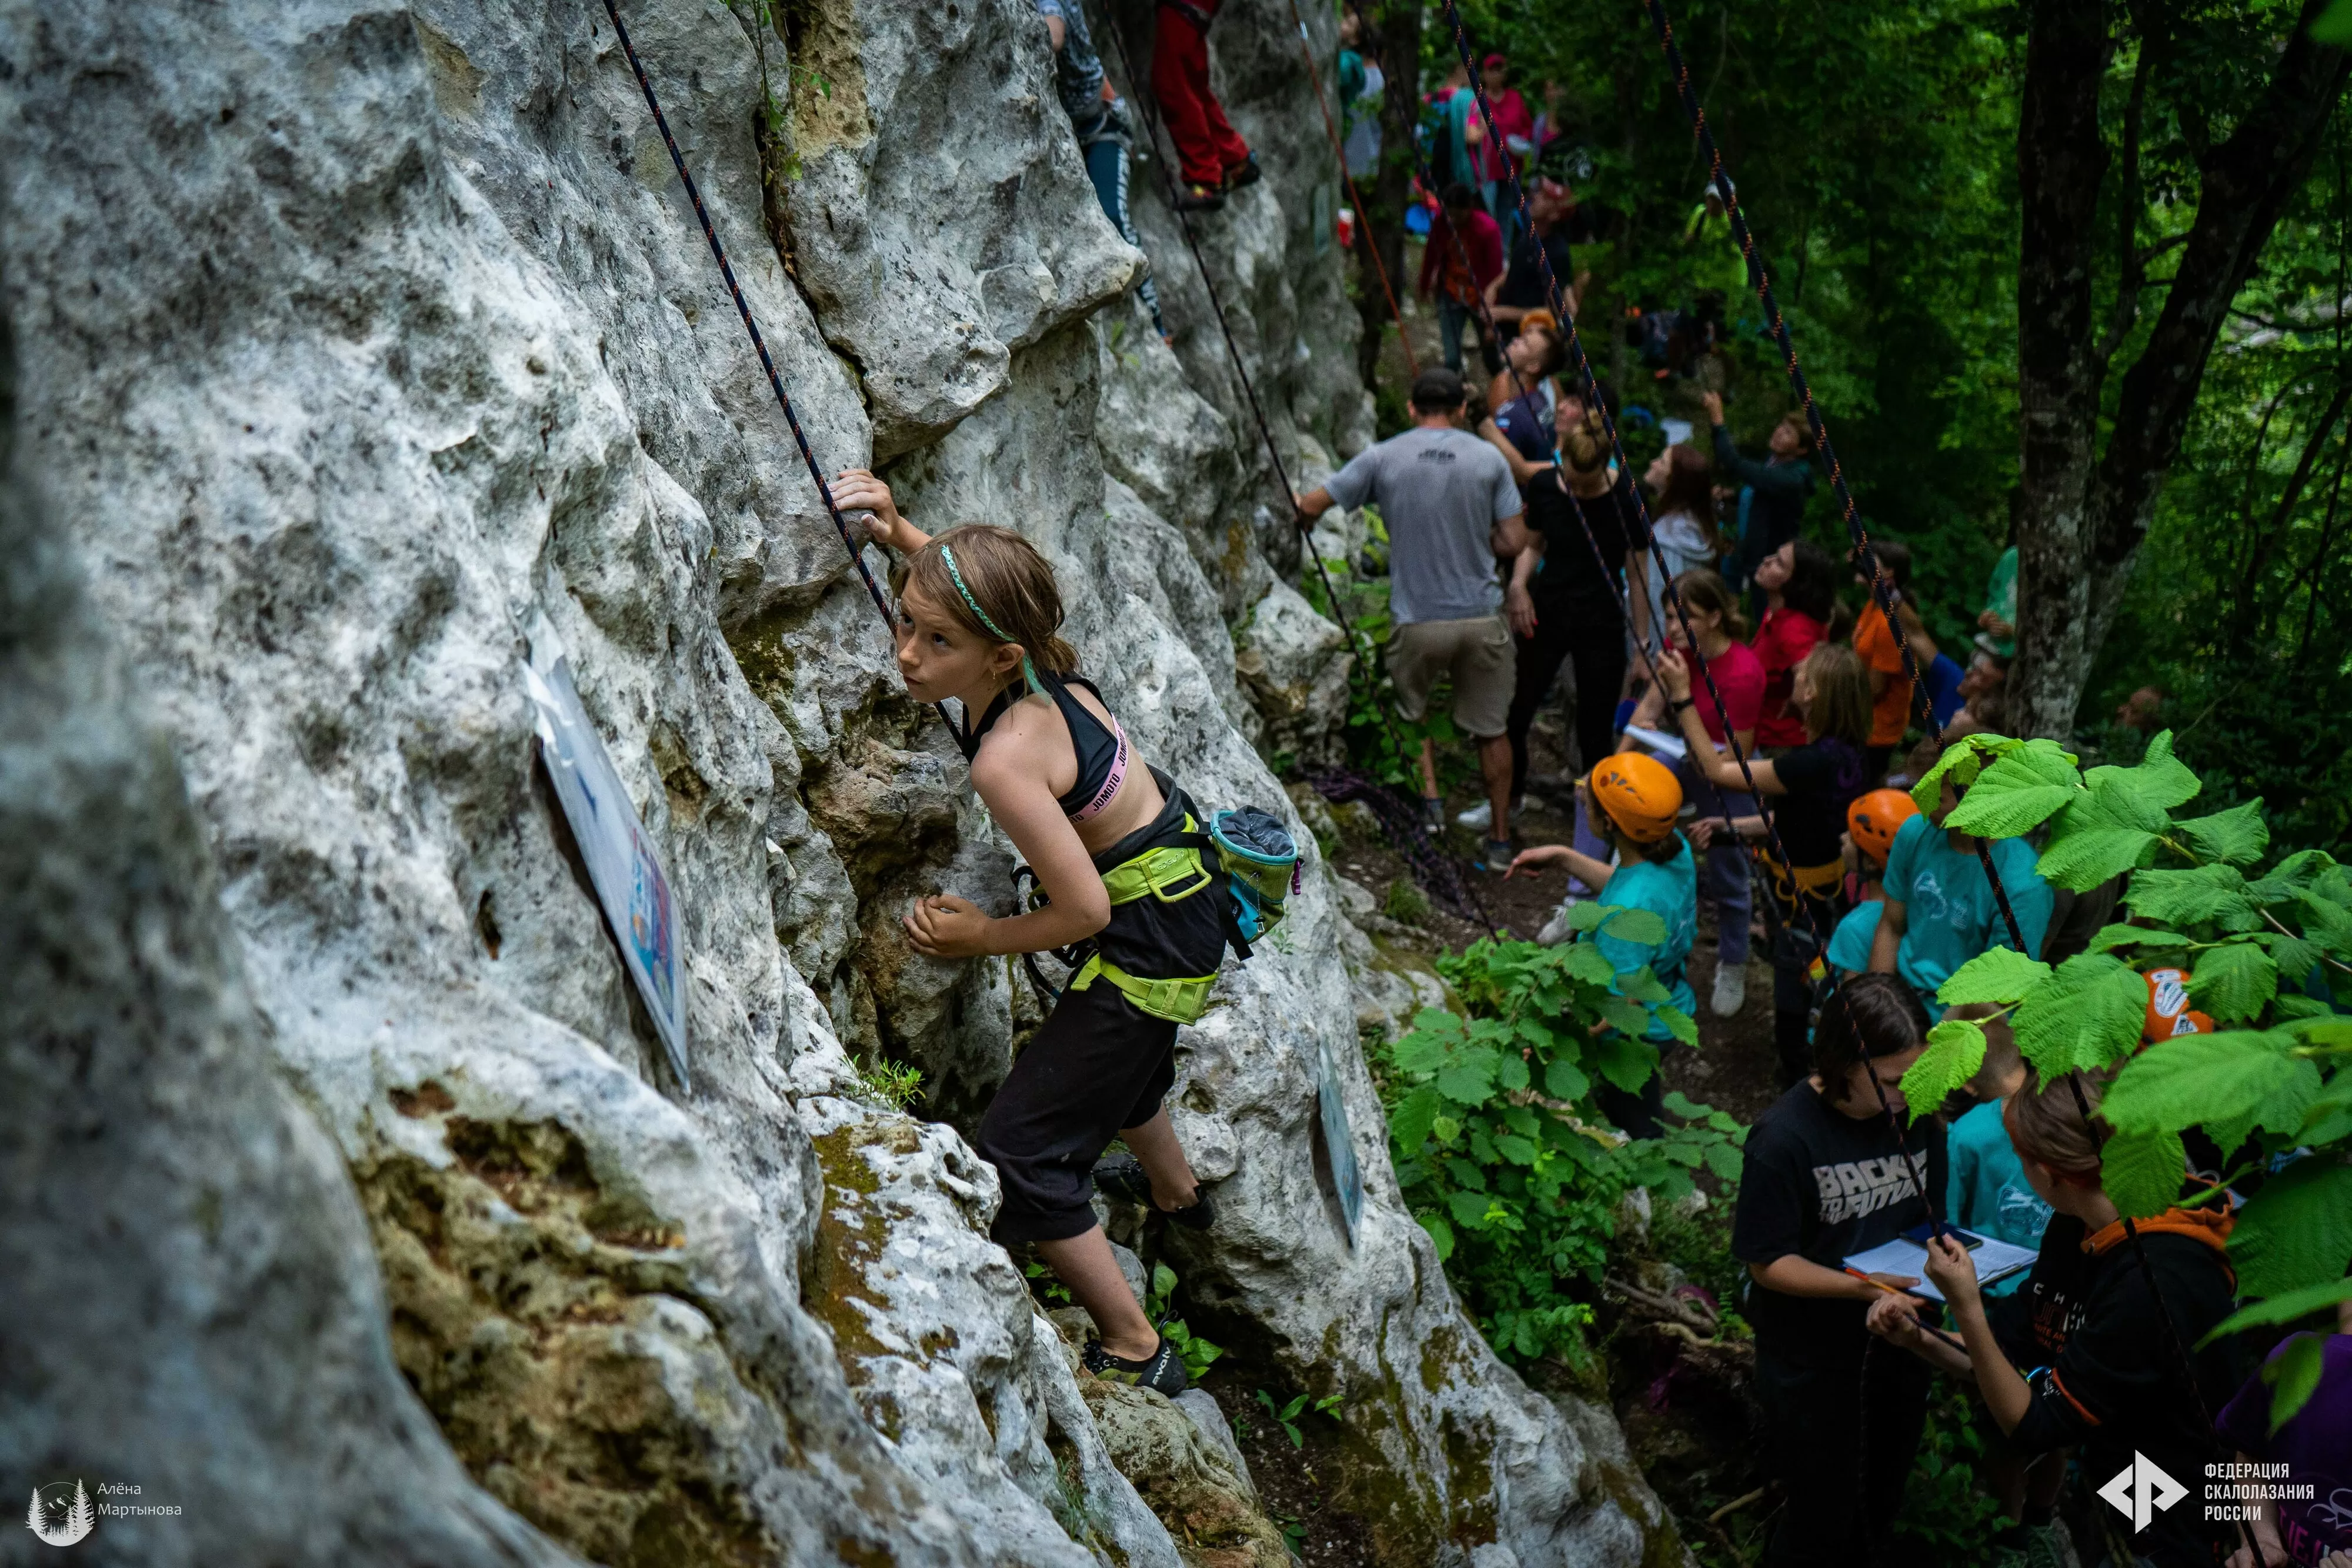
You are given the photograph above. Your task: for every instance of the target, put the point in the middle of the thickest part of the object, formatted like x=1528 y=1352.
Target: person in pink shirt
x=1715 y=643
x=1442 y=272
x=1799 y=588
x=1505 y=153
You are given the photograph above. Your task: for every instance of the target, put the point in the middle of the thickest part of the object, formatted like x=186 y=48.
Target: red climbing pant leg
x=1205 y=145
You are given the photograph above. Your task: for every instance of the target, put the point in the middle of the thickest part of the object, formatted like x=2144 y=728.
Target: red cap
x=1491 y=61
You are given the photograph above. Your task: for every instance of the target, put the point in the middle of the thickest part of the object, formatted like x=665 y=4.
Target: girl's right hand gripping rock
x=945 y=926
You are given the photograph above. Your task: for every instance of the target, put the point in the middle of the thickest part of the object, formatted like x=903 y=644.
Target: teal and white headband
x=1028 y=669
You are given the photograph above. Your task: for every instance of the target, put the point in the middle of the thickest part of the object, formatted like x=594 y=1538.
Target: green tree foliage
x=2264 y=947
x=1500 y=1149
x=1875 y=149
x=1875 y=153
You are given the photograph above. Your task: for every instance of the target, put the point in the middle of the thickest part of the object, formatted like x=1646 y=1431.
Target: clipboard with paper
x=1907 y=1254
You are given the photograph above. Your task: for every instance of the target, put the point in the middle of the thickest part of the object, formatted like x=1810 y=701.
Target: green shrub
x=1500 y=1151
x=1405 y=902
x=1947 y=1513
x=1159 y=1305
x=895 y=1084
x=2262 y=950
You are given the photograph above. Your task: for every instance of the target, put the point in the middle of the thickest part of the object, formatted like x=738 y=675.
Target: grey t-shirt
x=1077 y=69
x=1440 y=492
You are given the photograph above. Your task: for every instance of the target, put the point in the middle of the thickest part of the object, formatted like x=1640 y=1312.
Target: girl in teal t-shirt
x=1634 y=800
x=1940 y=910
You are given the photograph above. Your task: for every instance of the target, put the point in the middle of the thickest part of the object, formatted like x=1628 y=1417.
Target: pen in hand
x=1924 y=1329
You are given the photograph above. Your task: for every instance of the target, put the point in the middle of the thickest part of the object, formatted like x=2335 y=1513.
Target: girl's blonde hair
x=1841 y=707
x=1005 y=580
x=1704 y=590
x=2046 y=1124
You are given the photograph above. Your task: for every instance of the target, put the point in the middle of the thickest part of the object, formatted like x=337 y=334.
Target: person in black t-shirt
x=1826 y=1177
x=1520 y=287
x=1563 y=597
x=1808 y=788
x=2104 y=1377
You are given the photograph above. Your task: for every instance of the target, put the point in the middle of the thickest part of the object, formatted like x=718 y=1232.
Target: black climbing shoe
x=1163 y=1370
x=1199 y=199
x=1245 y=173
x=1121 y=1176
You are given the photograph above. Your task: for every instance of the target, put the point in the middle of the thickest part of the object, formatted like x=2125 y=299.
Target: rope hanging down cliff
x=1757 y=882
x=1363 y=218
x=743 y=308
x=1882 y=587
x=1591 y=381
x=1458 y=888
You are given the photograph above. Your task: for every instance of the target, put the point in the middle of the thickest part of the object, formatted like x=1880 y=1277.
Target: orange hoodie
x=2209 y=1224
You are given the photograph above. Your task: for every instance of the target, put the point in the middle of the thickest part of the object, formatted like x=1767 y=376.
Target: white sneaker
x=1557 y=930
x=1731 y=991
x=1479 y=818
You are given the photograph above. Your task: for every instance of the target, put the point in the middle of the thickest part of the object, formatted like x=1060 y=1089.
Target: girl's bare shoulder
x=1024 y=743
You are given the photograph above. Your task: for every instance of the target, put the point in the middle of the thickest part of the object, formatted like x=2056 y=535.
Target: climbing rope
x=750 y=325
x=1453 y=886
x=1339 y=152
x=1882 y=586
x=1592 y=382
x=1882 y=590
x=1757 y=886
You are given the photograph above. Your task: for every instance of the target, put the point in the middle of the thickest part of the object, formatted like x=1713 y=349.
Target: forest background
x=1876 y=152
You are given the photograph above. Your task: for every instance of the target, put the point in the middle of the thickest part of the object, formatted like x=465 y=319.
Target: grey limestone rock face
x=192 y=1306
x=359 y=339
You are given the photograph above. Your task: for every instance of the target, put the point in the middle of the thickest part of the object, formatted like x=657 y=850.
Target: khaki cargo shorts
x=1479 y=655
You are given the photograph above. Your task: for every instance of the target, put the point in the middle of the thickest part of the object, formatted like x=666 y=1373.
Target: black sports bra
x=1102 y=752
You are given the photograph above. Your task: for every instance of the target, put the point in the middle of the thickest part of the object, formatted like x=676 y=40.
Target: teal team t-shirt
x=1669 y=892
x=1987 y=1192
x=1949 y=912
x=1849 y=943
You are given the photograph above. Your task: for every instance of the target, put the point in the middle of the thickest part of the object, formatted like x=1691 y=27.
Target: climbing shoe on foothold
x=1199 y=199
x=1163 y=1370
x=1245 y=173
x=1121 y=1176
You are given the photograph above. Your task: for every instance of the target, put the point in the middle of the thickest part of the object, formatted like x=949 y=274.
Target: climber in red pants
x=1213 y=157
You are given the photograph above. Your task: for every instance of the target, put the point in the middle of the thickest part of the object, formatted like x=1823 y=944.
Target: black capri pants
x=1100 y=1064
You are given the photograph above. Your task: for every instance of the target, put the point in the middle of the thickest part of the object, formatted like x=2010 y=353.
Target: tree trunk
x=2084 y=515
x=2061 y=162
x=1391 y=35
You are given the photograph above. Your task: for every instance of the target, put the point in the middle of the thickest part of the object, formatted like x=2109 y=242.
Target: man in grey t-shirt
x=1451 y=506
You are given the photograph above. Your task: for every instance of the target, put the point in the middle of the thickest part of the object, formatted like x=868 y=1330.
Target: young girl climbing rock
x=1116 y=848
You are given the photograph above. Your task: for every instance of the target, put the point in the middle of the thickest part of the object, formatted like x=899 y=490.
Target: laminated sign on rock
x=621 y=861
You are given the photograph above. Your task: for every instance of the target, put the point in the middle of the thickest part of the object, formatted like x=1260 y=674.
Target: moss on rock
x=536 y=1315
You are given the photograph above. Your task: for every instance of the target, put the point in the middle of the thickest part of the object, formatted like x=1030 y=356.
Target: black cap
x=1438 y=388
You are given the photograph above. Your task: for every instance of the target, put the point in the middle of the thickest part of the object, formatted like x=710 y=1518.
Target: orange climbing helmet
x=1874 y=818
x=1640 y=793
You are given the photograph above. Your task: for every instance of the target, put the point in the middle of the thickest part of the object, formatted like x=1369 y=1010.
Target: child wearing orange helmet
x=1871 y=823
x=1634 y=800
